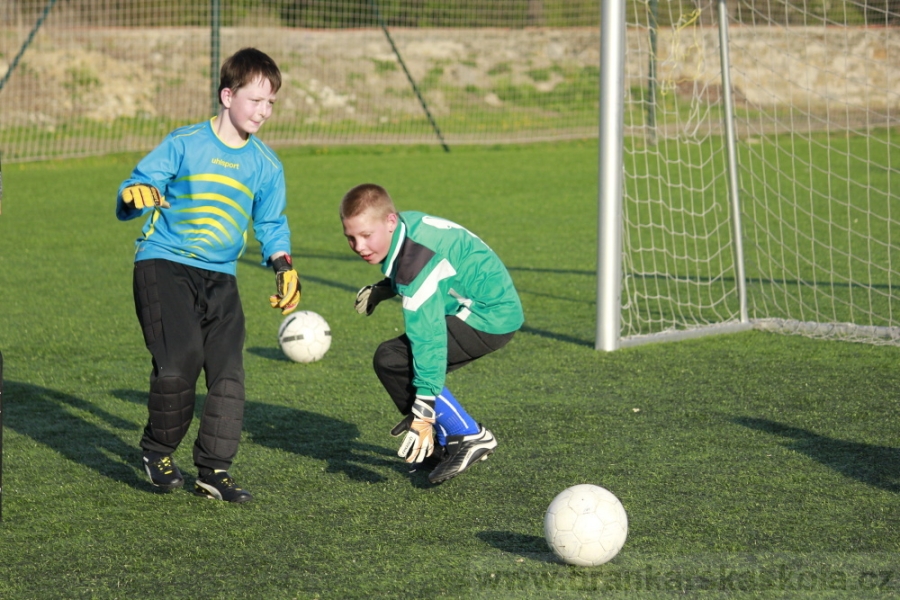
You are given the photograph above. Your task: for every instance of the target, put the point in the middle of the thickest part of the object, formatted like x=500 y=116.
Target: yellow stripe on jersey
x=212 y=222
x=266 y=152
x=216 y=211
x=205 y=232
x=229 y=181
x=153 y=219
x=199 y=240
x=217 y=198
x=185 y=253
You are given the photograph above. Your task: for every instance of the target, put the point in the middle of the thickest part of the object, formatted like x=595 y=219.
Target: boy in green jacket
x=459 y=304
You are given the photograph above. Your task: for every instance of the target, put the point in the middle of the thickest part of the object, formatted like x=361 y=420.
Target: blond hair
x=364 y=197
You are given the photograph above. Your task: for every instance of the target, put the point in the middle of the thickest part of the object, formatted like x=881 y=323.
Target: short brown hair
x=244 y=67
x=366 y=196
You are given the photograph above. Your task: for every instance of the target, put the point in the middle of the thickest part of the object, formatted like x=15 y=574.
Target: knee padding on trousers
x=171 y=406
x=222 y=421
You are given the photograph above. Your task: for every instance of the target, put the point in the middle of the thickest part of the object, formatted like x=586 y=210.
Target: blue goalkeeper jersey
x=441 y=269
x=215 y=191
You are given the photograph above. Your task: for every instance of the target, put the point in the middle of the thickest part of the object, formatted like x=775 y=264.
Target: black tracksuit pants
x=394 y=365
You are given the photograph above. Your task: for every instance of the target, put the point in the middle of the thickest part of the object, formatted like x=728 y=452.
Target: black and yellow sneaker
x=162 y=471
x=219 y=485
x=461 y=452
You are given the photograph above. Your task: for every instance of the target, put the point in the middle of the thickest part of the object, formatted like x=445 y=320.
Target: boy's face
x=369 y=235
x=249 y=106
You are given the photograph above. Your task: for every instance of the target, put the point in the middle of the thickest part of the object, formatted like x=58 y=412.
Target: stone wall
x=99 y=90
x=105 y=74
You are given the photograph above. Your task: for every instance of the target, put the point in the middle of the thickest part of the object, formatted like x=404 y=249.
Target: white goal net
x=816 y=106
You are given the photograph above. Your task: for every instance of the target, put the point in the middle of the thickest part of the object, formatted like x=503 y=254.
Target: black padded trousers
x=192 y=320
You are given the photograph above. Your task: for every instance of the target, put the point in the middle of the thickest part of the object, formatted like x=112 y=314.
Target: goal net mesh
x=816 y=98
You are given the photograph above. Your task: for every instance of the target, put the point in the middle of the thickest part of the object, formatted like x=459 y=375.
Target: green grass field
x=751 y=465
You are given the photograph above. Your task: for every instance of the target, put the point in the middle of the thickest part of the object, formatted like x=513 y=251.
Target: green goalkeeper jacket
x=441 y=269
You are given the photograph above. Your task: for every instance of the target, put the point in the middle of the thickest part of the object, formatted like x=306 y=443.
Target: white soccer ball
x=586 y=525
x=304 y=336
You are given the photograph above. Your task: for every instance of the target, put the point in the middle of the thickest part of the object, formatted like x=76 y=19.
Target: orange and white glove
x=143 y=196
x=419 y=441
x=287 y=285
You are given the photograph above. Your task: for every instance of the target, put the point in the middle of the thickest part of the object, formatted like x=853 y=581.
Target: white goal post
x=748 y=171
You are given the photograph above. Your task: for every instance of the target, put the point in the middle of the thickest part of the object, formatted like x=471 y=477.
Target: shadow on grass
x=303 y=433
x=83 y=433
x=878 y=466
x=307 y=277
x=529 y=546
x=252 y=256
x=319 y=437
x=513 y=269
x=269 y=353
x=50 y=418
x=559 y=337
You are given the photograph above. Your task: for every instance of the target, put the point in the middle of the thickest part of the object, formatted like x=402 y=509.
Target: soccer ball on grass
x=304 y=336
x=585 y=525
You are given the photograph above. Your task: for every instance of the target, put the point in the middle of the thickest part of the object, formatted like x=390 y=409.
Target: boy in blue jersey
x=459 y=304
x=200 y=189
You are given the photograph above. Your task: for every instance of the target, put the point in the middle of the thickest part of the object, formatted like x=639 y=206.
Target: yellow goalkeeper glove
x=143 y=196
x=287 y=285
